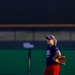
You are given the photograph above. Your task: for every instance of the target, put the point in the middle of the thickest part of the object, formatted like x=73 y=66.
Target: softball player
x=52 y=68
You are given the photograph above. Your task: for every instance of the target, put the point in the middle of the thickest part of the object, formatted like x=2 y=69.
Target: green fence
x=15 y=62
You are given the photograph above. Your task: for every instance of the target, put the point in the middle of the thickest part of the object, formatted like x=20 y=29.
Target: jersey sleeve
x=55 y=48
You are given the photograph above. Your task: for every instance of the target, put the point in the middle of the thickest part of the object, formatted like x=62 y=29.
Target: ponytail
x=55 y=41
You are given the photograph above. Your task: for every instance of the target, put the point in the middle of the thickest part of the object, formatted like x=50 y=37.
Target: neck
x=51 y=45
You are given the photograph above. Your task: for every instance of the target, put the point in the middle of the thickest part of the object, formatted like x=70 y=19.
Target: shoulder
x=55 y=47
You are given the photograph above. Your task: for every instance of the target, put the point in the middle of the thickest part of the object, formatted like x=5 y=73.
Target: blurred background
x=25 y=21
x=14 y=57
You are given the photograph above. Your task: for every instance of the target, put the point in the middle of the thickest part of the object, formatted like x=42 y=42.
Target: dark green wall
x=38 y=62
x=16 y=62
x=38 y=65
x=13 y=62
x=69 y=68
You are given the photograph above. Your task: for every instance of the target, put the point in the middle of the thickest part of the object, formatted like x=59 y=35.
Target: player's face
x=50 y=42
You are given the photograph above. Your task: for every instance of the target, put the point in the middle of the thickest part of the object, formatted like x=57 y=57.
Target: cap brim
x=47 y=38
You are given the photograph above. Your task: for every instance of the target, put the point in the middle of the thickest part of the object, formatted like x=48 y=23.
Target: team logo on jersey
x=48 y=53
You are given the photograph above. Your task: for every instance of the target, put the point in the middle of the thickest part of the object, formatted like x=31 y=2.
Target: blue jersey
x=50 y=54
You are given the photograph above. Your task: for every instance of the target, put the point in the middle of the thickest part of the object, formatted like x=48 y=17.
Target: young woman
x=52 y=68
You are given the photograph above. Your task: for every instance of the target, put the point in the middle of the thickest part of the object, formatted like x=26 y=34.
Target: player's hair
x=55 y=41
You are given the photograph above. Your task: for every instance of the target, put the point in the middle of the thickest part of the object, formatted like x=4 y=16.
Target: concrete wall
x=36 y=35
